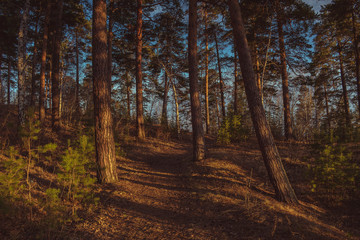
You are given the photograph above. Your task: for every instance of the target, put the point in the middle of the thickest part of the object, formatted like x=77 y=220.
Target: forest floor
x=162 y=194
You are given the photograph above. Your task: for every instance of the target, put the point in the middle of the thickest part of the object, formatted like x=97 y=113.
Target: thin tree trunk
x=284 y=74
x=128 y=89
x=33 y=67
x=357 y=56
x=257 y=66
x=43 y=63
x=110 y=38
x=343 y=84
x=8 y=80
x=236 y=83
x=207 y=74
x=49 y=90
x=327 y=107
x=77 y=87
x=1 y=83
x=176 y=107
x=198 y=134
x=164 y=119
x=104 y=136
x=139 y=91
x=22 y=40
x=277 y=174
x=220 y=77
x=55 y=80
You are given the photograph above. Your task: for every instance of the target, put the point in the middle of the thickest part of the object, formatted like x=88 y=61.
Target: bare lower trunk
x=77 y=87
x=236 y=84
x=43 y=64
x=128 y=90
x=198 y=134
x=327 y=107
x=357 y=57
x=164 y=119
x=104 y=136
x=8 y=80
x=272 y=160
x=139 y=91
x=110 y=38
x=33 y=68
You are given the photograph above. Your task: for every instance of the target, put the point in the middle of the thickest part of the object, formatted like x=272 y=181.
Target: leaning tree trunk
x=284 y=74
x=55 y=78
x=139 y=91
x=198 y=134
x=104 y=136
x=43 y=63
x=22 y=39
x=274 y=166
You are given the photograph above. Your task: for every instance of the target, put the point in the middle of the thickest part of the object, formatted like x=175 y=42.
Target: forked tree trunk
x=55 y=80
x=197 y=128
x=104 y=136
x=139 y=91
x=274 y=166
x=284 y=74
x=221 y=83
x=43 y=63
x=22 y=39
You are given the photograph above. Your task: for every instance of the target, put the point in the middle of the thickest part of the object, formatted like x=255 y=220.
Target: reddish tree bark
x=272 y=160
x=198 y=133
x=104 y=136
x=139 y=91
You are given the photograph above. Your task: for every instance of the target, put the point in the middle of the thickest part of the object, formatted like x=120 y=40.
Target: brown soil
x=162 y=194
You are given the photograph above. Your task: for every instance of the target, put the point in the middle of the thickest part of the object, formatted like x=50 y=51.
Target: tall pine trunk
x=164 y=118
x=104 y=136
x=207 y=110
x=55 y=63
x=274 y=166
x=110 y=38
x=139 y=91
x=284 y=74
x=34 y=63
x=343 y=84
x=236 y=84
x=77 y=87
x=1 y=84
x=8 y=80
x=43 y=63
x=357 y=56
x=221 y=83
x=22 y=40
x=198 y=134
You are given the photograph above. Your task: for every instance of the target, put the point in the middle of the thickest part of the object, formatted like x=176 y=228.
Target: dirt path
x=162 y=195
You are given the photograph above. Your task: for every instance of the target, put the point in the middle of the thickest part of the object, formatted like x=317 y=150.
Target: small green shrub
x=334 y=171
x=232 y=130
x=75 y=176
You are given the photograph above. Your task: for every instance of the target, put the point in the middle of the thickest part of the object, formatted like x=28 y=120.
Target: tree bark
x=110 y=38
x=34 y=63
x=220 y=78
x=104 y=136
x=274 y=166
x=236 y=83
x=164 y=118
x=43 y=63
x=22 y=40
x=1 y=83
x=55 y=78
x=8 y=80
x=284 y=74
x=327 y=107
x=77 y=87
x=207 y=75
x=139 y=91
x=357 y=56
x=198 y=134
x=343 y=84
x=128 y=90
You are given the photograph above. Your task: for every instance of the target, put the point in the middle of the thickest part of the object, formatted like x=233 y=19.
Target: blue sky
x=317 y=3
